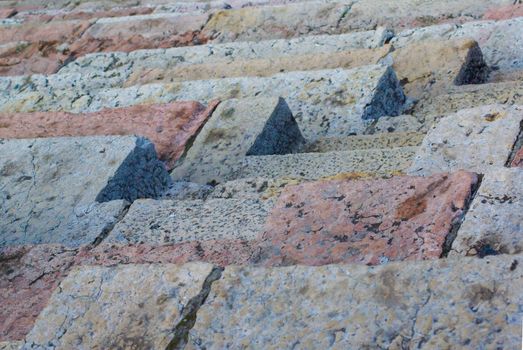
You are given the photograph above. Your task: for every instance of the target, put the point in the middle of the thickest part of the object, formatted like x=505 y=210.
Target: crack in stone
x=189 y=313
x=110 y=226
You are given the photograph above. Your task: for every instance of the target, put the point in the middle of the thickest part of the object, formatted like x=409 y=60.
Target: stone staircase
x=261 y=174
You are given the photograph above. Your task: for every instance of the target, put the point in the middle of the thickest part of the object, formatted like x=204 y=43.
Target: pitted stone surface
x=494 y=223
x=378 y=140
x=119 y=307
x=473 y=139
x=500 y=41
x=239 y=128
x=317 y=165
x=169 y=127
x=167 y=221
x=28 y=277
x=252 y=188
x=402 y=123
x=366 y=221
x=467 y=303
x=324 y=102
x=261 y=67
x=50 y=187
x=431 y=66
x=469 y=96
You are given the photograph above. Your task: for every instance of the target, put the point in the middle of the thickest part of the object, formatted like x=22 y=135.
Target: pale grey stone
x=494 y=222
x=72 y=190
x=465 y=303
x=236 y=129
x=127 y=306
x=402 y=123
x=318 y=165
x=473 y=139
x=166 y=221
x=379 y=140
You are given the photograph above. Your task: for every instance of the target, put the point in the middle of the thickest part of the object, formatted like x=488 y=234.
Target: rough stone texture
x=500 y=41
x=260 y=67
x=141 y=32
x=187 y=190
x=494 y=223
x=467 y=304
x=431 y=67
x=17 y=58
x=366 y=221
x=239 y=128
x=385 y=140
x=59 y=31
x=252 y=188
x=49 y=187
x=504 y=12
x=10 y=345
x=469 y=96
x=317 y=165
x=402 y=123
x=28 y=277
x=169 y=127
x=518 y=158
x=167 y=221
x=120 y=307
x=473 y=139
x=103 y=67
x=80 y=14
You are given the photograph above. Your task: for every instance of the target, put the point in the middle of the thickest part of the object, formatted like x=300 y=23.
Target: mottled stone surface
x=169 y=126
x=379 y=140
x=261 y=67
x=50 y=187
x=187 y=190
x=317 y=165
x=467 y=303
x=120 y=307
x=500 y=41
x=59 y=31
x=432 y=66
x=473 y=139
x=504 y=12
x=366 y=221
x=252 y=188
x=402 y=123
x=11 y=345
x=167 y=221
x=28 y=276
x=327 y=102
x=239 y=128
x=22 y=57
x=469 y=96
x=494 y=223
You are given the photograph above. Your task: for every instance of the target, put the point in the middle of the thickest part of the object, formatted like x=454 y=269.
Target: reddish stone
x=33 y=32
x=168 y=126
x=85 y=15
x=33 y=58
x=504 y=12
x=366 y=221
x=218 y=252
x=28 y=276
x=6 y=13
x=518 y=159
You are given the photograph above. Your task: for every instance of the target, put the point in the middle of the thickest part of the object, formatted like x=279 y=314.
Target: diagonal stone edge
x=518 y=145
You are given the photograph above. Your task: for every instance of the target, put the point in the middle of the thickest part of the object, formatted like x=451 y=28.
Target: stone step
x=469 y=96
x=380 y=140
x=319 y=165
x=493 y=224
x=238 y=128
x=170 y=127
x=326 y=102
x=165 y=221
x=463 y=303
x=72 y=190
x=404 y=123
x=475 y=139
x=500 y=41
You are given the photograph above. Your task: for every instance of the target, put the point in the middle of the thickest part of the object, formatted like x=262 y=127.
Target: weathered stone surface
x=17 y=58
x=59 y=31
x=467 y=303
x=366 y=221
x=494 y=223
x=141 y=63
x=261 y=67
x=469 y=96
x=167 y=221
x=10 y=345
x=518 y=158
x=326 y=102
x=380 y=140
x=252 y=188
x=121 y=307
x=504 y=12
x=169 y=127
x=431 y=67
x=28 y=277
x=50 y=187
x=239 y=128
x=318 y=165
x=473 y=139
x=187 y=190
x=81 y=14
x=500 y=41
x=402 y=123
